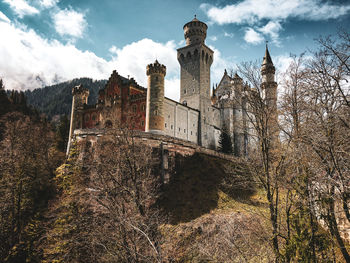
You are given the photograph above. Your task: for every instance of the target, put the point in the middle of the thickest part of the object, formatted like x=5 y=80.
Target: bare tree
x=269 y=163
x=125 y=179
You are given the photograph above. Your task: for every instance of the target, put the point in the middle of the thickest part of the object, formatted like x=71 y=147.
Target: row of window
x=172 y=127
x=134 y=107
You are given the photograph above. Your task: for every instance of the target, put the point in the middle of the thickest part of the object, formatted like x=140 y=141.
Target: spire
x=267 y=64
x=225 y=72
x=267 y=57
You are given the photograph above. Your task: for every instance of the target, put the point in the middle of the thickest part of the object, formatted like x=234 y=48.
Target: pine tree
x=4 y=101
x=62 y=133
x=225 y=141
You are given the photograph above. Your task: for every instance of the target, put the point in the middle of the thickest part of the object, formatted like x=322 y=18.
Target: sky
x=44 y=42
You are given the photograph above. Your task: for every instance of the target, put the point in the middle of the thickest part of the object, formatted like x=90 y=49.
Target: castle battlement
x=156 y=67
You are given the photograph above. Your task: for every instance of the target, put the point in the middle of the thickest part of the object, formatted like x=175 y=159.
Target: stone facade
x=199 y=117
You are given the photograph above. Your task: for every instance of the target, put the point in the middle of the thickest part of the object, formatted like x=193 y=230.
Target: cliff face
x=168 y=201
x=134 y=197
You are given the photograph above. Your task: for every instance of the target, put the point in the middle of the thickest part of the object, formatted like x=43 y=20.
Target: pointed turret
x=267 y=66
x=269 y=89
x=267 y=57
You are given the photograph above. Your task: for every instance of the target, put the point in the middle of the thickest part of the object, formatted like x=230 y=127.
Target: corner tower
x=195 y=60
x=80 y=98
x=155 y=98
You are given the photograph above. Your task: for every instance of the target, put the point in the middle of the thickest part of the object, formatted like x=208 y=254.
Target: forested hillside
x=57 y=99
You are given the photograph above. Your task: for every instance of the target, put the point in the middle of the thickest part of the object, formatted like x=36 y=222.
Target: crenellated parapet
x=195 y=32
x=80 y=96
x=80 y=90
x=155 y=68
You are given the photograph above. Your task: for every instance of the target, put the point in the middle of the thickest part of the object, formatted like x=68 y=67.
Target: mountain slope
x=57 y=99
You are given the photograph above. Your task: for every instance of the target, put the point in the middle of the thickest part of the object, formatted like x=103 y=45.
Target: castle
x=199 y=117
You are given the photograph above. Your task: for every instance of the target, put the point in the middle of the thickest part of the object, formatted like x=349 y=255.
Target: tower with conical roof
x=269 y=90
x=195 y=60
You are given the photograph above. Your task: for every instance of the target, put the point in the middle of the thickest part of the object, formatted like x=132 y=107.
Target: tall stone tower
x=155 y=98
x=80 y=97
x=195 y=60
x=269 y=88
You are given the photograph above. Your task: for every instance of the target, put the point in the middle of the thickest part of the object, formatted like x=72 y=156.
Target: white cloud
x=230 y=35
x=132 y=60
x=4 y=18
x=250 y=11
x=48 y=3
x=219 y=65
x=21 y=7
x=272 y=29
x=213 y=38
x=29 y=61
x=253 y=37
x=70 y=23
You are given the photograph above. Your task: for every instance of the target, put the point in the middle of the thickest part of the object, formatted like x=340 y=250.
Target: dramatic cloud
x=250 y=11
x=29 y=61
x=253 y=12
x=253 y=37
x=70 y=23
x=21 y=7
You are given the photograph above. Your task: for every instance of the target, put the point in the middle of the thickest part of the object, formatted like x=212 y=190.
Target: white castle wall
x=180 y=121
